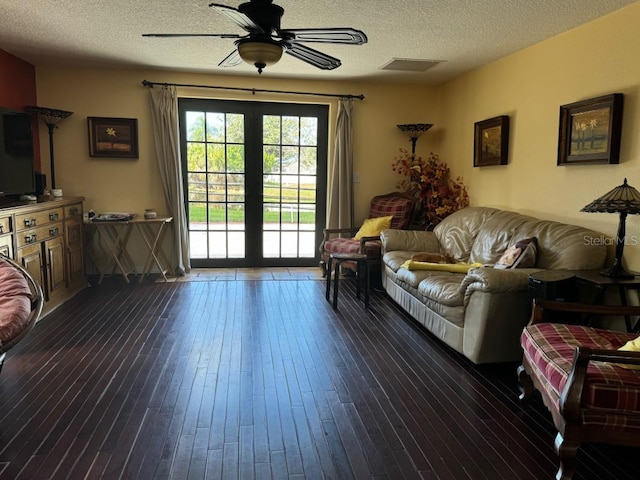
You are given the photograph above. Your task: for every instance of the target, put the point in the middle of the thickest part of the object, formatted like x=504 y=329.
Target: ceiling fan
x=265 y=41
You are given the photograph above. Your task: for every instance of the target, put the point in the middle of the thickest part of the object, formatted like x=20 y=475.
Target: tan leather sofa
x=481 y=314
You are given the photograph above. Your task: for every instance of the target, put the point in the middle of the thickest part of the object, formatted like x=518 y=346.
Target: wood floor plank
x=263 y=379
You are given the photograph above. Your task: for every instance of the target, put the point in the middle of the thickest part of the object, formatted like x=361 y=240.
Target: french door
x=254 y=180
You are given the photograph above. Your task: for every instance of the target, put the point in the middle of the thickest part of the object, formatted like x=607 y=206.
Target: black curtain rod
x=149 y=84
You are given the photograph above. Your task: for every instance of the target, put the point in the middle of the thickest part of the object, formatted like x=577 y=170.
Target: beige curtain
x=164 y=117
x=340 y=195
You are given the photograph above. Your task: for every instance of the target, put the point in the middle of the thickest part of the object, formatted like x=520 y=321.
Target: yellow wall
x=133 y=185
x=110 y=184
x=596 y=59
x=593 y=60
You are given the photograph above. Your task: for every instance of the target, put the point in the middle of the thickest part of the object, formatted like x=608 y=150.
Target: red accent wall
x=18 y=90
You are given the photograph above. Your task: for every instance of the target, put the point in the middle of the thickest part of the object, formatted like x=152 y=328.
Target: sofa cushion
x=443 y=287
x=457 y=232
x=550 y=347
x=395 y=259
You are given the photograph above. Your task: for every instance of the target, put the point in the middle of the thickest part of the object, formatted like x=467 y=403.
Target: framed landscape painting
x=113 y=137
x=491 y=142
x=590 y=131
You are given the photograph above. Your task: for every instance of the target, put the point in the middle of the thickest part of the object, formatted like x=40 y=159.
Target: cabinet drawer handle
x=73 y=211
x=1 y=229
x=53 y=231
x=53 y=216
x=29 y=222
x=30 y=238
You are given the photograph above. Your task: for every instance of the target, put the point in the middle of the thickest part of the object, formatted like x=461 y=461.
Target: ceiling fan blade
x=237 y=16
x=312 y=57
x=231 y=60
x=349 y=36
x=170 y=35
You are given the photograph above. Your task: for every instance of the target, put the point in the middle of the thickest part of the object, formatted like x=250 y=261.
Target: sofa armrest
x=328 y=233
x=409 y=240
x=489 y=279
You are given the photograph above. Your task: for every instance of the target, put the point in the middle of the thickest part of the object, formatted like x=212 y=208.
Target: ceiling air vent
x=410 y=65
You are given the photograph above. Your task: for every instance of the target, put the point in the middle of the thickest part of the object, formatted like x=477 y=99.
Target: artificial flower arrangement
x=429 y=181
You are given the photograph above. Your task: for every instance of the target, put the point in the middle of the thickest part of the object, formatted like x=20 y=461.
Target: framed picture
x=590 y=131
x=113 y=137
x=491 y=142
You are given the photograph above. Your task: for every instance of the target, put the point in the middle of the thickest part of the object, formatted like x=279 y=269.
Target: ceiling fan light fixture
x=260 y=54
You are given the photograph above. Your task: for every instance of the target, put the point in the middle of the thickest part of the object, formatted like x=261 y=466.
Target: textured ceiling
x=463 y=34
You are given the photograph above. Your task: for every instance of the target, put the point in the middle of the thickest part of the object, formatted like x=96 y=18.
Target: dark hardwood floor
x=262 y=379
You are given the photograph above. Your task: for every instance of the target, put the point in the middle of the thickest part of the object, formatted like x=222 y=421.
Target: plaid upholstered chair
x=399 y=205
x=591 y=388
x=21 y=301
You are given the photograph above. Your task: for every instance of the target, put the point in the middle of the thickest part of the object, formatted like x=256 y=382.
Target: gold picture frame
x=491 y=142
x=590 y=131
x=113 y=137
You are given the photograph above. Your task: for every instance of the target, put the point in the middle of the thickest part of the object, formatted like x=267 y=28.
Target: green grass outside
x=198 y=214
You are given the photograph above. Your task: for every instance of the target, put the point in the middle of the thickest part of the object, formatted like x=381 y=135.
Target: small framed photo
x=491 y=142
x=113 y=137
x=590 y=131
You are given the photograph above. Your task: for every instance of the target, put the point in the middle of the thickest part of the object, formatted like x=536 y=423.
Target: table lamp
x=623 y=199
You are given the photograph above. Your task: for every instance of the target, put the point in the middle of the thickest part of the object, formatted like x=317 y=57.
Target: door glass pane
x=198 y=244
x=217 y=245
x=215 y=157
x=271 y=244
x=195 y=126
x=289 y=247
x=271 y=129
x=197 y=216
x=308 y=131
x=290 y=130
x=271 y=159
x=215 y=127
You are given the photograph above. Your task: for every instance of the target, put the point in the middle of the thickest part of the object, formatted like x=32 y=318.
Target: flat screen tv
x=16 y=153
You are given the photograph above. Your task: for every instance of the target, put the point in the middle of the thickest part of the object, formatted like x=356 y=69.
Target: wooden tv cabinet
x=45 y=237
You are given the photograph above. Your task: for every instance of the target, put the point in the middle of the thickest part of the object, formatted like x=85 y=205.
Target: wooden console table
x=116 y=237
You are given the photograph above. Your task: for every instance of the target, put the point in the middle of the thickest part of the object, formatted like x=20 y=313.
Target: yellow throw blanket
x=630 y=346
x=441 y=267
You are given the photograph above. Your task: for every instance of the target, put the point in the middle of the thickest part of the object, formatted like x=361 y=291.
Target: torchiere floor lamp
x=51 y=117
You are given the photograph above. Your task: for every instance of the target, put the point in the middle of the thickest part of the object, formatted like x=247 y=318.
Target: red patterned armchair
x=340 y=240
x=590 y=386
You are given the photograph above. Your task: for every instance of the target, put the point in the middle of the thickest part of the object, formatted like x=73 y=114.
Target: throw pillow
x=373 y=226
x=630 y=346
x=521 y=255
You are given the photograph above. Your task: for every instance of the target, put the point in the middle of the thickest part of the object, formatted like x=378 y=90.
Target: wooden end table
x=593 y=279
x=362 y=269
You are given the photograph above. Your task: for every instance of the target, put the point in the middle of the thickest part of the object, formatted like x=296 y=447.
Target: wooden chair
x=340 y=240
x=16 y=284
x=579 y=373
